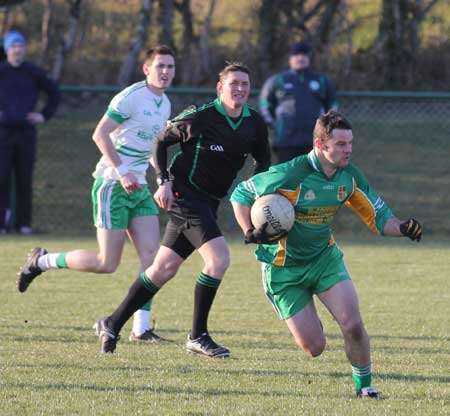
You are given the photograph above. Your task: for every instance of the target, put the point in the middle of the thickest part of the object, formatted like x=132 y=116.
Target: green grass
x=50 y=362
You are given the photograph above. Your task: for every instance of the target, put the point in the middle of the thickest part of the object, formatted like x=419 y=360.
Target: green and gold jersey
x=316 y=199
x=142 y=115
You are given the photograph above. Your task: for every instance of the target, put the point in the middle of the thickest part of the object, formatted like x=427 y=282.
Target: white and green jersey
x=316 y=199
x=142 y=116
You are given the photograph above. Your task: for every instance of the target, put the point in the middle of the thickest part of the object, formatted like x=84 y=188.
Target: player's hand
x=130 y=183
x=411 y=228
x=164 y=196
x=35 y=118
x=260 y=236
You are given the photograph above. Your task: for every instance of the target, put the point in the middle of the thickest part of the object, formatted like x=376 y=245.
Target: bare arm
x=103 y=141
x=392 y=227
x=253 y=235
x=242 y=214
x=410 y=228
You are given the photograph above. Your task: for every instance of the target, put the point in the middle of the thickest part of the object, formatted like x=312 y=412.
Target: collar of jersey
x=314 y=161
x=156 y=98
x=220 y=108
x=316 y=165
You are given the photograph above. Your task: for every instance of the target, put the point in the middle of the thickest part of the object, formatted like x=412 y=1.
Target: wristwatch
x=161 y=181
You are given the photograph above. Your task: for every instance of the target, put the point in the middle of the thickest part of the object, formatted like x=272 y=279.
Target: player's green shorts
x=290 y=289
x=114 y=208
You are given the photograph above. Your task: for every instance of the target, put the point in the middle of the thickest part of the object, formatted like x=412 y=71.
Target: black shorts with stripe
x=192 y=220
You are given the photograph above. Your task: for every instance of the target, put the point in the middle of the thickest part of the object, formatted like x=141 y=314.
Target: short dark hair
x=233 y=67
x=158 y=50
x=329 y=121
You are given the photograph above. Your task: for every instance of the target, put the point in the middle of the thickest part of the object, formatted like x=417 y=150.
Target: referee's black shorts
x=192 y=221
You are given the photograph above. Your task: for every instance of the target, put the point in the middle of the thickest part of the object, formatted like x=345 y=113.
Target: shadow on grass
x=151 y=389
x=337 y=375
x=29 y=325
x=195 y=370
x=219 y=392
x=414 y=378
x=65 y=366
x=256 y=340
x=283 y=332
x=59 y=339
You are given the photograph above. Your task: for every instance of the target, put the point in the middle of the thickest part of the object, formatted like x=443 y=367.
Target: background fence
x=401 y=142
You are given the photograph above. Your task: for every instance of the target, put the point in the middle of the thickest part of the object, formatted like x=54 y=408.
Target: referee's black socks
x=205 y=291
x=140 y=292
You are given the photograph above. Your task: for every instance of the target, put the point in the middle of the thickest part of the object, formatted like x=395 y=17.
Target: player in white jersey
x=122 y=203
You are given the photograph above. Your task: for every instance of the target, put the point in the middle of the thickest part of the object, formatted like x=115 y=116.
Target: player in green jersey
x=123 y=205
x=306 y=261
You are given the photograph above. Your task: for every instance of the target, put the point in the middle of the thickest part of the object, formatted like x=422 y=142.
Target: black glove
x=411 y=228
x=259 y=235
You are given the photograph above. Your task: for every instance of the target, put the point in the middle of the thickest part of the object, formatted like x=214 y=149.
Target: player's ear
x=219 y=88
x=318 y=143
x=145 y=69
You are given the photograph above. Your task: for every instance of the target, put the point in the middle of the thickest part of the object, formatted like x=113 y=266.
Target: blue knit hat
x=13 y=37
x=301 y=47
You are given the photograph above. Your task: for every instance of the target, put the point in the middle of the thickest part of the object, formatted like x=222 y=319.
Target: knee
x=107 y=267
x=217 y=265
x=147 y=256
x=164 y=271
x=314 y=347
x=354 y=328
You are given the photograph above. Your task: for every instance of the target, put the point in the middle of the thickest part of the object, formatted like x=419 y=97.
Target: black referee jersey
x=214 y=147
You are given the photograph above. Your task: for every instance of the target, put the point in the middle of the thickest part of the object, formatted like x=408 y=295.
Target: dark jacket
x=19 y=93
x=291 y=102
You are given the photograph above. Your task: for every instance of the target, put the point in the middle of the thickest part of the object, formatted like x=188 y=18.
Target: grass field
x=50 y=364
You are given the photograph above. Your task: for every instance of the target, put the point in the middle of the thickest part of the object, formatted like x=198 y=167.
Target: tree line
x=361 y=44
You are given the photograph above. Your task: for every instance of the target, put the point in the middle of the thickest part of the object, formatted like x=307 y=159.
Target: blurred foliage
x=106 y=31
x=8 y=3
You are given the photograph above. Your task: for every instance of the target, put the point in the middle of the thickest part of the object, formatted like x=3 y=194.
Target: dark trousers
x=17 y=157
x=283 y=154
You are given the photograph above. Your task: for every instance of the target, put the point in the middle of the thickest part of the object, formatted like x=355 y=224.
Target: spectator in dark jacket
x=2 y=51
x=292 y=100
x=20 y=84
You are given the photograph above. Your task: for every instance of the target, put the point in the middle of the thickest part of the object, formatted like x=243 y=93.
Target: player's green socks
x=138 y=295
x=61 y=261
x=205 y=291
x=362 y=376
x=52 y=261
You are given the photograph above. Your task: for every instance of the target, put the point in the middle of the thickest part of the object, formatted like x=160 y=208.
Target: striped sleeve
x=120 y=107
x=367 y=204
x=278 y=179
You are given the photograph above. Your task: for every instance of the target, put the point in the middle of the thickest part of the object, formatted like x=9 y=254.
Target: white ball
x=274 y=209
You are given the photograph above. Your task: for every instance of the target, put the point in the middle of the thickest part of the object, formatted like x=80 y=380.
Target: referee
x=215 y=140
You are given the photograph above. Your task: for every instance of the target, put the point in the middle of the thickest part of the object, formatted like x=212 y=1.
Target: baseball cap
x=13 y=37
x=301 y=47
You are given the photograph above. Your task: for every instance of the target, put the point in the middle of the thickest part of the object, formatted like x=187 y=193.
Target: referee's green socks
x=138 y=295
x=204 y=294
